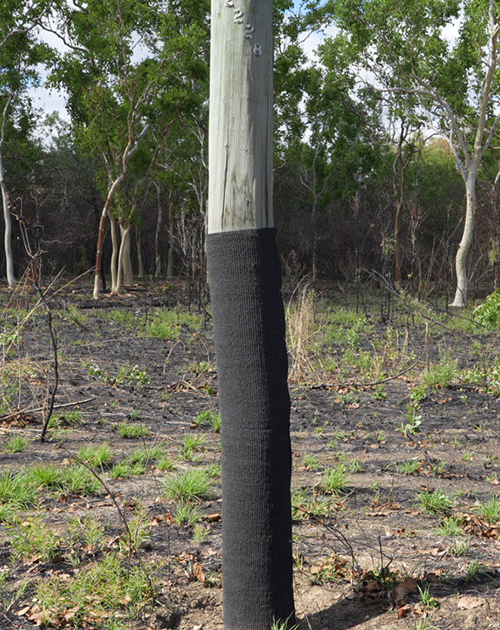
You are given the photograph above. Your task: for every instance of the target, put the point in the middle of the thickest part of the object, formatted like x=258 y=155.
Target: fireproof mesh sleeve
x=249 y=326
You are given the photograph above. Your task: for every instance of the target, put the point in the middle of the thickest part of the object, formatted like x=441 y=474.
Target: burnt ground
x=364 y=555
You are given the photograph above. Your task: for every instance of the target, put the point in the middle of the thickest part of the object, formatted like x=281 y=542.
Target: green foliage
x=491 y=510
x=451 y=526
x=435 y=501
x=190 y=485
x=418 y=394
x=75 y=479
x=306 y=505
x=488 y=312
x=138 y=532
x=126 y=318
x=35 y=539
x=186 y=514
x=69 y=418
x=413 y=421
x=409 y=467
x=87 y=532
x=15 y=444
x=96 y=456
x=488 y=377
x=477 y=569
x=17 y=490
x=200 y=533
x=79 y=480
x=168 y=325
x=106 y=586
x=443 y=374
x=191 y=445
x=210 y=418
x=47 y=475
x=126 y=469
x=335 y=480
x=311 y=462
x=129 y=374
x=133 y=431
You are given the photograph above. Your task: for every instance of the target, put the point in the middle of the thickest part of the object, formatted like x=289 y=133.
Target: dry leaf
x=398 y=594
x=198 y=572
x=213 y=518
x=468 y=603
x=403 y=611
x=378 y=514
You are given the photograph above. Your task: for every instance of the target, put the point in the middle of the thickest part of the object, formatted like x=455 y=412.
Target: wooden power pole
x=249 y=320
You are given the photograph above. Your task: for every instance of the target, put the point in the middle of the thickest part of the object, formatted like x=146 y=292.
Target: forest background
x=374 y=118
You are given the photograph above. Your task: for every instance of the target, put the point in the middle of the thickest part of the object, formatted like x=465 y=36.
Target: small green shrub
x=190 y=485
x=443 y=374
x=126 y=469
x=491 y=510
x=87 y=532
x=335 y=480
x=71 y=418
x=133 y=431
x=17 y=490
x=192 y=444
x=451 y=526
x=96 y=456
x=435 y=502
x=311 y=462
x=79 y=480
x=488 y=313
x=210 y=418
x=409 y=467
x=165 y=463
x=47 y=475
x=35 y=539
x=106 y=587
x=168 y=325
x=186 y=514
x=129 y=374
x=15 y=444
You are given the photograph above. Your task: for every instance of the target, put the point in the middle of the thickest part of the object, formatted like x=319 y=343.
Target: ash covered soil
x=406 y=536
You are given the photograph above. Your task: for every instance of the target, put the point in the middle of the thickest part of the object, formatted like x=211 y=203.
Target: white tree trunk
x=125 y=258
x=9 y=264
x=159 y=221
x=241 y=115
x=115 y=280
x=460 y=299
x=140 y=263
x=171 y=228
x=106 y=212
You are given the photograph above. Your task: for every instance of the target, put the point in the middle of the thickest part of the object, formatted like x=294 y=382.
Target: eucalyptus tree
x=443 y=54
x=20 y=52
x=127 y=69
x=249 y=320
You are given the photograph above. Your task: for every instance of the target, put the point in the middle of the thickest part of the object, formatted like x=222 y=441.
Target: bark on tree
x=114 y=254
x=9 y=263
x=123 y=263
x=159 y=221
x=132 y=146
x=399 y=167
x=140 y=261
x=464 y=246
x=249 y=320
x=171 y=228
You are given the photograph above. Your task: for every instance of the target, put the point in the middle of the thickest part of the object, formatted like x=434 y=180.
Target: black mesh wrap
x=249 y=325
